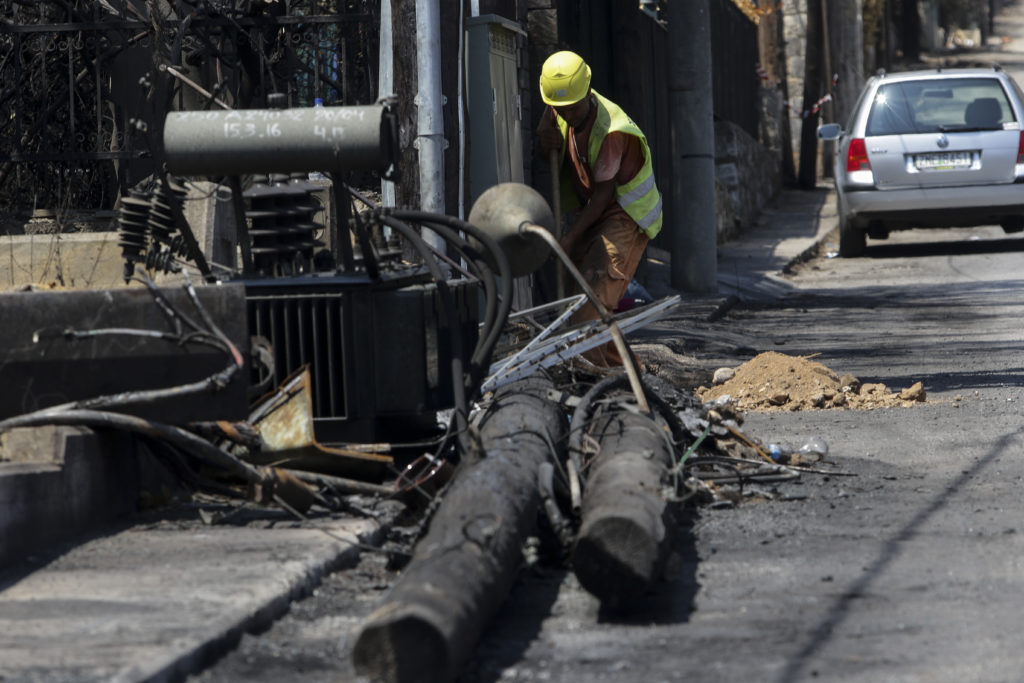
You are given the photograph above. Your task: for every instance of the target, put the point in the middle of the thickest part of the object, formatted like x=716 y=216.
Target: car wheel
x=1012 y=225
x=852 y=239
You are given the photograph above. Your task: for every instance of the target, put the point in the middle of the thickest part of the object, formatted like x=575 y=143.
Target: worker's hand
x=568 y=243
x=549 y=138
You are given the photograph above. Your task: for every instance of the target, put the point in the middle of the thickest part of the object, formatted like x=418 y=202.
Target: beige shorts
x=609 y=256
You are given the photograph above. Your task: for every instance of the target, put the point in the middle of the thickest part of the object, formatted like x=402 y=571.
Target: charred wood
x=465 y=565
x=625 y=516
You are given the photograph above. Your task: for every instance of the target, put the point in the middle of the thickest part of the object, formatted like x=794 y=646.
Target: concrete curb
x=160 y=604
x=93 y=479
x=271 y=603
x=761 y=269
x=165 y=603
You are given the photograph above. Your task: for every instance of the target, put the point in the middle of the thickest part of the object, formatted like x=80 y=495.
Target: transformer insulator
x=282 y=229
x=161 y=217
x=162 y=260
x=133 y=220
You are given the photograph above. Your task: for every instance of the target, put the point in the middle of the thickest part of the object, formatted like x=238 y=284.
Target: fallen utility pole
x=625 y=515
x=464 y=567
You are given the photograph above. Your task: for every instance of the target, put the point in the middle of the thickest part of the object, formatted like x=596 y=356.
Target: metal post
x=386 y=84
x=429 y=117
x=693 y=241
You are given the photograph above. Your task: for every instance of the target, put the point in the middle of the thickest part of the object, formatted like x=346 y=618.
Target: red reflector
x=857 y=156
x=1020 y=149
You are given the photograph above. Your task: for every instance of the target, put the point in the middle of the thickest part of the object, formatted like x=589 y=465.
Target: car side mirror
x=829 y=131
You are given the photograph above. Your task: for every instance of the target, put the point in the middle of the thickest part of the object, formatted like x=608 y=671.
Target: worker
x=606 y=179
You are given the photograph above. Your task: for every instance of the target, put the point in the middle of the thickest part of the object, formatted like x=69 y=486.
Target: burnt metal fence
x=734 y=59
x=85 y=84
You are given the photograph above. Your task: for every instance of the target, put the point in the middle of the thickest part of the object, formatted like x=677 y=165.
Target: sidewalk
x=750 y=267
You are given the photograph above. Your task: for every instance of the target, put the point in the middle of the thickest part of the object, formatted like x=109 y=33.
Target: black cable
x=448 y=305
x=581 y=415
x=171 y=312
x=483 y=272
x=211 y=335
x=201 y=448
x=370 y=261
x=621 y=381
x=500 y=259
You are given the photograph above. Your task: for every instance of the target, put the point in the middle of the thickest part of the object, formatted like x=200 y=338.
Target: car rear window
x=932 y=105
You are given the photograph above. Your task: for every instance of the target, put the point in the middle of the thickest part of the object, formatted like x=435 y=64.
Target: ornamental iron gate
x=85 y=84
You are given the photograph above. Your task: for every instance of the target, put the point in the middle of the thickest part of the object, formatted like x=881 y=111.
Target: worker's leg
x=608 y=264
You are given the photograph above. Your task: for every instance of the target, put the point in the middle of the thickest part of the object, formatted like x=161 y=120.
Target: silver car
x=936 y=148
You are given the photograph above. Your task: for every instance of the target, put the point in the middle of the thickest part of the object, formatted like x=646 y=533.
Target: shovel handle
x=556 y=205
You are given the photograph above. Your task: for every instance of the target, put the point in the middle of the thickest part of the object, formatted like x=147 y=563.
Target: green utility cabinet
x=495 y=103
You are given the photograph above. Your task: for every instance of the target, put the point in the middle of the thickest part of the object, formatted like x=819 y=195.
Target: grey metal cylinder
x=248 y=141
x=502 y=210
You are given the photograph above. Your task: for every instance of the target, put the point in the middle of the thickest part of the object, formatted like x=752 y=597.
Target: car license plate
x=943 y=161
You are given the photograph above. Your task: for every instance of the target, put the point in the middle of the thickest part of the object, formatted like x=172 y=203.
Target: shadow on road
x=892 y=549
x=945 y=248
x=672 y=601
x=516 y=626
x=533 y=602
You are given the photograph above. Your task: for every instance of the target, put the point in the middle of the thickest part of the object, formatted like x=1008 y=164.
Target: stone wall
x=747 y=177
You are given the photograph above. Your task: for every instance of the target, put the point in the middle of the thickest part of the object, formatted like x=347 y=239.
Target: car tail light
x=857 y=155
x=1020 y=149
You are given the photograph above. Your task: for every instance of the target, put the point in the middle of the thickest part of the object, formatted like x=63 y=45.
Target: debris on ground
x=773 y=381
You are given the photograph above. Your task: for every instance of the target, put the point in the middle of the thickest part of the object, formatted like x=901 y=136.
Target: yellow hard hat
x=564 y=79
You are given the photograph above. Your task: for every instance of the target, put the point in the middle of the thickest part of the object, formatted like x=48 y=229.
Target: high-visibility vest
x=639 y=197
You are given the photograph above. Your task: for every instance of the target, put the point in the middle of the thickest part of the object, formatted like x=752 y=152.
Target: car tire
x=1012 y=225
x=852 y=239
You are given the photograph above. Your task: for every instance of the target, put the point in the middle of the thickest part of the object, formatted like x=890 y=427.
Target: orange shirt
x=621 y=157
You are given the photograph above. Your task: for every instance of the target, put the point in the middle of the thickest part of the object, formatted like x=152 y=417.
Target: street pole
x=830 y=106
x=807 y=174
x=694 y=235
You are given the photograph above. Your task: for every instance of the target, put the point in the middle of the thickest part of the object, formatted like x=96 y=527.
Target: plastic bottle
x=779 y=452
x=317 y=175
x=815 y=447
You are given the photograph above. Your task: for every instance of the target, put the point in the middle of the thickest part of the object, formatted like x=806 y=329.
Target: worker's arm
x=603 y=195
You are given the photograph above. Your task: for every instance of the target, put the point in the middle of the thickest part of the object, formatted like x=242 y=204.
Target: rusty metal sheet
x=284 y=419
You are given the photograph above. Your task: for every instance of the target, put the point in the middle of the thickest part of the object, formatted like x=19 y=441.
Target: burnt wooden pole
x=814 y=81
x=846 y=36
x=403 y=22
x=625 y=517
x=772 y=52
x=910 y=24
x=464 y=567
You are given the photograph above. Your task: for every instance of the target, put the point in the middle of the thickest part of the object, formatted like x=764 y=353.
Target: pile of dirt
x=774 y=381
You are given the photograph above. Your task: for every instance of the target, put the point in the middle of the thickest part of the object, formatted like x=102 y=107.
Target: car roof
x=919 y=74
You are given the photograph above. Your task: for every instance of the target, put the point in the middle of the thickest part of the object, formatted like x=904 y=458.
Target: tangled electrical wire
x=707 y=460
x=485 y=261
x=113 y=411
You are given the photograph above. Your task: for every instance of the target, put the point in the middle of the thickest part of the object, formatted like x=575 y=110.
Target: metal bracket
x=416 y=141
x=418 y=100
